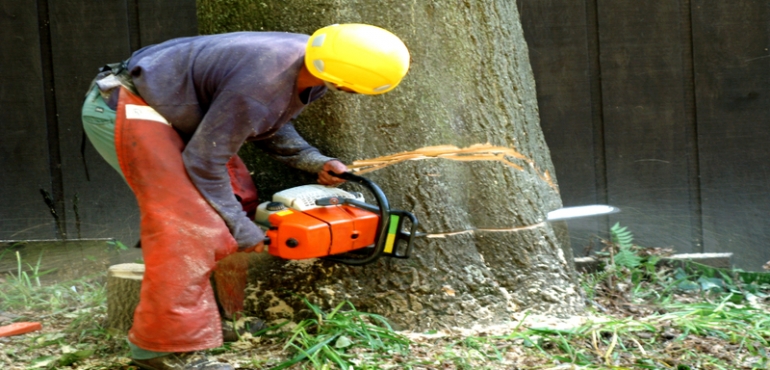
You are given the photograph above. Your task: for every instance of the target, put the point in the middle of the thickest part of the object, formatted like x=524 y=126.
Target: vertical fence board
x=597 y=115
x=87 y=35
x=732 y=65
x=646 y=137
x=556 y=33
x=690 y=144
x=24 y=151
x=163 y=20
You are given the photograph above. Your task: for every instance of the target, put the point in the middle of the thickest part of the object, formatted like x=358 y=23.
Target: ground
x=641 y=315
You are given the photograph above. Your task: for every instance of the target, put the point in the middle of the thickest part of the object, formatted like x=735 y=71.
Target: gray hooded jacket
x=220 y=91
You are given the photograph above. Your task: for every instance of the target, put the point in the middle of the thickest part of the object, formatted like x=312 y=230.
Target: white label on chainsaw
x=302 y=198
x=144 y=112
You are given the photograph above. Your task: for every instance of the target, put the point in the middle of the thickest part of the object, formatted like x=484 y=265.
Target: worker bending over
x=171 y=120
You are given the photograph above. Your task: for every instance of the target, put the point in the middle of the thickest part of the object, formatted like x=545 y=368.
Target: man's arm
x=217 y=138
x=289 y=148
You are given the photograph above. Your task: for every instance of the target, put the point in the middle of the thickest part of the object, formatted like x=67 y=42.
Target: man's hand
x=256 y=249
x=335 y=166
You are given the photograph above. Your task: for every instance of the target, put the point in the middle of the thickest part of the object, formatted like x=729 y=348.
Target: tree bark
x=489 y=252
x=124 y=282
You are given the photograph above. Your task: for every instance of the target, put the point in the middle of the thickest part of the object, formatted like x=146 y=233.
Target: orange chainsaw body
x=320 y=232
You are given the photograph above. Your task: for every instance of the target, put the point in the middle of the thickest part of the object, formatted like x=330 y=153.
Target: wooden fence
x=54 y=184
x=657 y=107
x=660 y=108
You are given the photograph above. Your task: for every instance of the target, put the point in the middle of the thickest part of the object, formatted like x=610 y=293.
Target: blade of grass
x=306 y=354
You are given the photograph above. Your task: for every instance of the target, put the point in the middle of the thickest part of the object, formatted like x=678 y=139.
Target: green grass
x=24 y=291
x=660 y=340
x=73 y=312
x=336 y=339
x=21 y=290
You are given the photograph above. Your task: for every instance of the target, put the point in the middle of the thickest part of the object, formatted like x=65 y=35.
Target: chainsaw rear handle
x=384 y=227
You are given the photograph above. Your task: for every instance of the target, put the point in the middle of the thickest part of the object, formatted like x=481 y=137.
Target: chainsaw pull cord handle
x=382 y=225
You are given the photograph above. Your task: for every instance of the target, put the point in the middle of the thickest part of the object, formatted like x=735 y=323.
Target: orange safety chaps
x=182 y=236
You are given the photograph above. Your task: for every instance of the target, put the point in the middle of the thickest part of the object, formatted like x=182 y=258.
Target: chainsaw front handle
x=389 y=227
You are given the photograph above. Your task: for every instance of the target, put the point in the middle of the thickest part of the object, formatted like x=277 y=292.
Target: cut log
x=124 y=282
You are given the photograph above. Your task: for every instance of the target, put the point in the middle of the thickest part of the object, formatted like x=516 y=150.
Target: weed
x=73 y=312
x=703 y=317
x=622 y=238
x=20 y=289
x=338 y=338
x=118 y=245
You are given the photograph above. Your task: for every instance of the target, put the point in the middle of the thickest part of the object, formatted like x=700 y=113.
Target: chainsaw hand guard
x=391 y=240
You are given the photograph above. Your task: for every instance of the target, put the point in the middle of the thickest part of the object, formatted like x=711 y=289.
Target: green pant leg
x=99 y=126
x=143 y=354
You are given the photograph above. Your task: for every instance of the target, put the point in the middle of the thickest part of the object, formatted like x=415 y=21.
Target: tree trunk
x=482 y=202
x=124 y=282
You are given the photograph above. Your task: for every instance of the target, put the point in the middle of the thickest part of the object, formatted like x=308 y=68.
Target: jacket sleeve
x=289 y=148
x=229 y=121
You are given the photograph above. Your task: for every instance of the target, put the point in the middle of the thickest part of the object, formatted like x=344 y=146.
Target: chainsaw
x=315 y=221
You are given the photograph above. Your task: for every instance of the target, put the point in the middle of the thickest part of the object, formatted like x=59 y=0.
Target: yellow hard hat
x=363 y=58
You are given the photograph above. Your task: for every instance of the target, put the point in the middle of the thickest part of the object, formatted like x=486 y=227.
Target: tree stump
x=124 y=282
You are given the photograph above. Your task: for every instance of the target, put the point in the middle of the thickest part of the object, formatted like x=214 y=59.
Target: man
x=171 y=120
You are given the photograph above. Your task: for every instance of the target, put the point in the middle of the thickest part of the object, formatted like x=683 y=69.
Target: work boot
x=182 y=361
x=231 y=334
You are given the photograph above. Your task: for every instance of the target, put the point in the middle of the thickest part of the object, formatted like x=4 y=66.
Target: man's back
x=181 y=77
